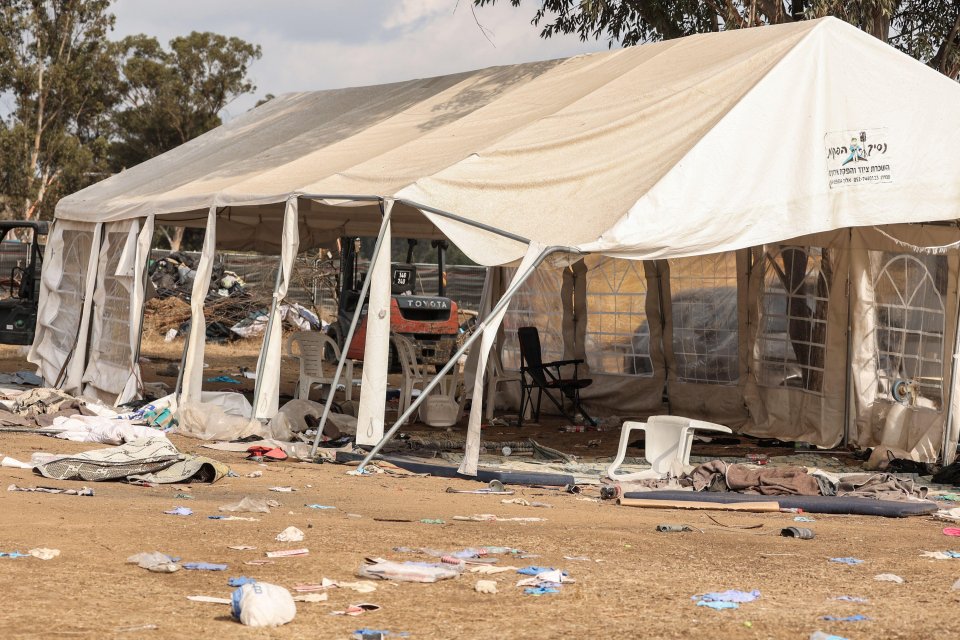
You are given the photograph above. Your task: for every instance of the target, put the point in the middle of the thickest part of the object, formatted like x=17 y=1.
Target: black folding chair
x=546 y=377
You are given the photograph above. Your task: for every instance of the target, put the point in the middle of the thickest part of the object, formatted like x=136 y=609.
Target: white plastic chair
x=414 y=375
x=667 y=445
x=496 y=376
x=312 y=345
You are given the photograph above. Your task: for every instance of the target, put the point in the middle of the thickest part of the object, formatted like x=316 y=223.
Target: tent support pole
x=467 y=221
x=948 y=450
x=353 y=327
x=504 y=301
x=261 y=361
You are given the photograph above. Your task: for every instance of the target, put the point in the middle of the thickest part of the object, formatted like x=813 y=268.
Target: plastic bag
x=210 y=422
x=262 y=604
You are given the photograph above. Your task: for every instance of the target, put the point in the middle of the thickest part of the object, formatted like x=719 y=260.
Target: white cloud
x=338 y=43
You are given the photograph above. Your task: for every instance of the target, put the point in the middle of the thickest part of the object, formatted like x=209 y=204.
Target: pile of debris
x=174 y=274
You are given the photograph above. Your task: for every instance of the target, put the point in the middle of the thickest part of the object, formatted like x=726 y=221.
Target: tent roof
x=700 y=144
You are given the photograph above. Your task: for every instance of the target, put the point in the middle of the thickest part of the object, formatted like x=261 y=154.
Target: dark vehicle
x=20 y=279
x=430 y=322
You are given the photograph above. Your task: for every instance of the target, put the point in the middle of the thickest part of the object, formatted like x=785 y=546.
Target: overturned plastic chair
x=666 y=447
x=312 y=346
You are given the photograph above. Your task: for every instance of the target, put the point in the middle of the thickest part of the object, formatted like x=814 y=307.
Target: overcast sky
x=324 y=44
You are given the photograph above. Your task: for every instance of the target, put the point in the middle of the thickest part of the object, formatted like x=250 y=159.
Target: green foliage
x=83 y=107
x=928 y=30
x=171 y=96
x=56 y=70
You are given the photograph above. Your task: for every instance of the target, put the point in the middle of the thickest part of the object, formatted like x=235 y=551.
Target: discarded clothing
x=731 y=595
x=849 y=561
x=408 y=571
x=718 y=605
x=100 y=430
x=881 y=486
x=855 y=618
x=769 y=481
x=204 y=566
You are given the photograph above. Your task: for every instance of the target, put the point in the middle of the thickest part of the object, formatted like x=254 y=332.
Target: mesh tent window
x=703 y=297
x=795 y=299
x=114 y=339
x=70 y=288
x=617 y=332
x=537 y=304
x=910 y=323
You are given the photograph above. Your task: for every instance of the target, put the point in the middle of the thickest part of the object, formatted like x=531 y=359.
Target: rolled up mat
x=483 y=475
x=810 y=504
x=703 y=506
x=797 y=532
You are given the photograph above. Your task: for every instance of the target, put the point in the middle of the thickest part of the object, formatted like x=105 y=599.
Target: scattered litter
x=139 y=627
x=534 y=570
x=204 y=566
x=224 y=379
x=820 y=635
x=288 y=553
x=731 y=595
x=956 y=585
x=951 y=531
x=377 y=634
x=179 y=511
x=85 y=491
x=797 y=532
x=154 y=561
x=14 y=554
x=252 y=505
x=673 y=528
x=848 y=561
x=44 y=554
x=210 y=599
x=257 y=563
x=255 y=474
x=485 y=586
x=311 y=597
x=282 y=489
x=581 y=559
x=540 y=591
x=526 y=503
x=233 y=518
x=356 y=609
x=489 y=517
x=407 y=571
x=262 y=604
x=14 y=463
x=490 y=569
x=290 y=534
x=495 y=488
x=240 y=581
x=888 y=577
x=718 y=605
x=183 y=496
x=854 y=618
x=851 y=599
x=323 y=506
x=260 y=453
x=735 y=526
x=940 y=555
x=242 y=547
x=361 y=586
x=803 y=519
x=432 y=521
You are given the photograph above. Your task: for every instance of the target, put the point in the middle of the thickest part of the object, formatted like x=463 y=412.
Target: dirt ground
x=637 y=583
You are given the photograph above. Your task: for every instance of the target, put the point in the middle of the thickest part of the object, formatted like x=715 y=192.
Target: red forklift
x=429 y=321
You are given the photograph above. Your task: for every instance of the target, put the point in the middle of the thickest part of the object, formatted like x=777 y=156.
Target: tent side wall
x=844 y=335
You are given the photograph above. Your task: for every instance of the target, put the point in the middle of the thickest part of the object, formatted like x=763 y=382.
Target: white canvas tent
x=727 y=142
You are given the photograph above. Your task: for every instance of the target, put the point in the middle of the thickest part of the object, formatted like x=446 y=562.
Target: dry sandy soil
x=637 y=584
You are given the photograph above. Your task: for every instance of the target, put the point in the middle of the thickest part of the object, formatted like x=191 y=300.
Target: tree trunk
x=176 y=239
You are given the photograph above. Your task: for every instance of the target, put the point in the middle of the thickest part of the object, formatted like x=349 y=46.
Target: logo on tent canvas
x=857 y=157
